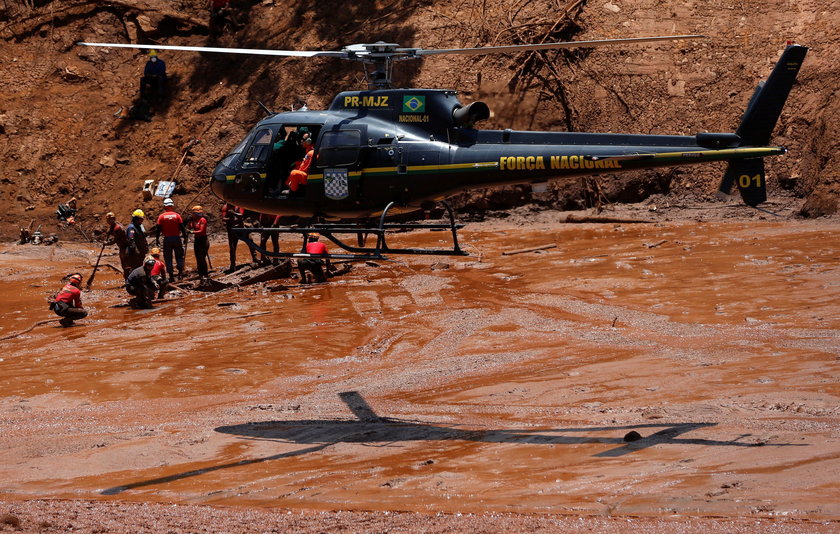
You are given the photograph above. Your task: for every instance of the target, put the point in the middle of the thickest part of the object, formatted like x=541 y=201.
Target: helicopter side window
x=339 y=148
x=259 y=152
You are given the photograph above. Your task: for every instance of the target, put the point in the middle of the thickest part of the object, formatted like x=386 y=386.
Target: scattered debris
x=257 y=314
x=608 y=220
x=16 y=334
x=654 y=245
x=531 y=249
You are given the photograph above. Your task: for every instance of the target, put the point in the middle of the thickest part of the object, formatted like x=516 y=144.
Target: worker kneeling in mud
x=67 y=303
x=158 y=273
x=314 y=265
x=139 y=284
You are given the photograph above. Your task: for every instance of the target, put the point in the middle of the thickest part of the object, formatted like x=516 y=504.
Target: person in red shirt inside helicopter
x=67 y=303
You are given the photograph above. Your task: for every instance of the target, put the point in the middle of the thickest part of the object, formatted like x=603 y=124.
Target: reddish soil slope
x=58 y=103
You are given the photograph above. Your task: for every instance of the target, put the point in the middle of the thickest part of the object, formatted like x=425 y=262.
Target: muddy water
x=500 y=383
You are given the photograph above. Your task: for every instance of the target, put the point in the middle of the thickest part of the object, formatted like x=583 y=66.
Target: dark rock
x=632 y=436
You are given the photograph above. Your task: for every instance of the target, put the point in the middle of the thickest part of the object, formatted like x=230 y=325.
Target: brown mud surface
x=485 y=393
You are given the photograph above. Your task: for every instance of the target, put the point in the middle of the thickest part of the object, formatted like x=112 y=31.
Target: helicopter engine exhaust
x=470 y=114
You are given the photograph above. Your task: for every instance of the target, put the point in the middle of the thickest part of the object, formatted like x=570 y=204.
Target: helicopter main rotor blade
x=251 y=51
x=546 y=46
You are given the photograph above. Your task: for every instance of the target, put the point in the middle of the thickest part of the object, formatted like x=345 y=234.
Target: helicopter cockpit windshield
x=258 y=152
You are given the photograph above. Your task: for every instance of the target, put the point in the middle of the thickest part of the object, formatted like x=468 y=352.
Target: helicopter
x=383 y=147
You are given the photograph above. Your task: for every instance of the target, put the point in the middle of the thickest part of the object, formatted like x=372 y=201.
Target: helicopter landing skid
x=360 y=252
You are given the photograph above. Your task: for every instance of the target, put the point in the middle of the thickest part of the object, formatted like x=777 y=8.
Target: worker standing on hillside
x=67 y=303
x=197 y=226
x=137 y=246
x=234 y=217
x=172 y=225
x=153 y=82
x=116 y=236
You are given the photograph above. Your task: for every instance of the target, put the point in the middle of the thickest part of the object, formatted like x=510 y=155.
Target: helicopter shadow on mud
x=373 y=430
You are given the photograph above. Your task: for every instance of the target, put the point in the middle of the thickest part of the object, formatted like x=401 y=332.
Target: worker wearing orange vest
x=299 y=176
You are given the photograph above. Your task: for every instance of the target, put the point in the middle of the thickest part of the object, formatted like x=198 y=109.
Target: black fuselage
x=406 y=146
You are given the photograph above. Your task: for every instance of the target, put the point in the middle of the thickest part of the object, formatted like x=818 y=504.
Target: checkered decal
x=335 y=184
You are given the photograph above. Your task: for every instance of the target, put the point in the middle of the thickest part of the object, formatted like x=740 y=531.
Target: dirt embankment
x=61 y=138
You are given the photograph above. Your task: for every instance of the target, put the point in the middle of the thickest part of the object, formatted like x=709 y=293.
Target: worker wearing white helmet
x=172 y=226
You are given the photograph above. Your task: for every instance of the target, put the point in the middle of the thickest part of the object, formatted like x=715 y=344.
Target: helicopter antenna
x=382 y=55
x=268 y=112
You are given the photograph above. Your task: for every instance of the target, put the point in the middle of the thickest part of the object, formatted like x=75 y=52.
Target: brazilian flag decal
x=414 y=104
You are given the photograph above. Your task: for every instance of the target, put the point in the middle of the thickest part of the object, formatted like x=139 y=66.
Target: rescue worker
x=139 y=284
x=137 y=246
x=234 y=217
x=67 y=303
x=269 y=221
x=197 y=226
x=116 y=236
x=153 y=82
x=67 y=212
x=300 y=174
x=222 y=14
x=314 y=265
x=277 y=165
x=158 y=273
x=172 y=225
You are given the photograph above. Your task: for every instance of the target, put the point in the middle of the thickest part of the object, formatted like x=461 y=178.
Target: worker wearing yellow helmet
x=153 y=82
x=137 y=246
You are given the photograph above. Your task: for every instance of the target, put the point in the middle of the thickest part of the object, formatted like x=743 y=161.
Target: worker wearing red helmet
x=158 y=273
x=67 y=303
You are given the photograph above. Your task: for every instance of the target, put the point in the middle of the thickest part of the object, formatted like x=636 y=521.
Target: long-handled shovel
x=89 y=282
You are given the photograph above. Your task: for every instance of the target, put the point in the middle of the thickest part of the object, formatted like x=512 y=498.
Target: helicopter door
x=340 y=153
x=420 y=165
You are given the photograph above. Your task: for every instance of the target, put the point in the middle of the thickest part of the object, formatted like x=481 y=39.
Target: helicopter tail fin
x=757 y=125
x=769 y=98
x=748 y=174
